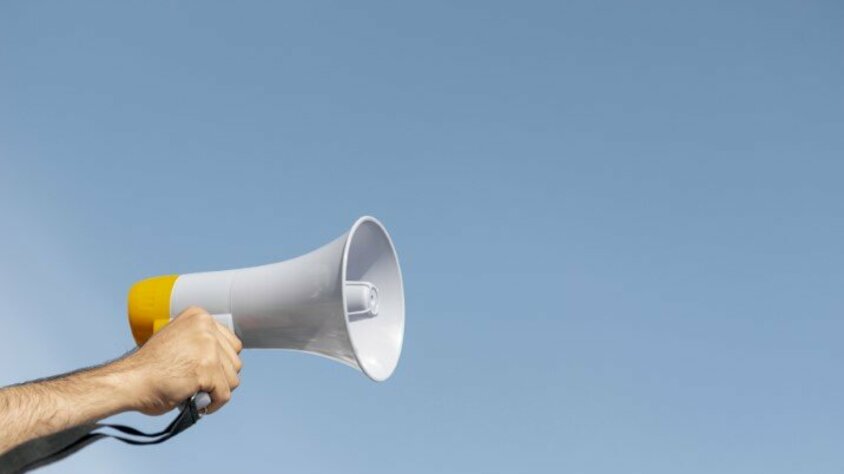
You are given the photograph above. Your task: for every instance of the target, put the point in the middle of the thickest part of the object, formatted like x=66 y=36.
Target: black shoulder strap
x=57 y=446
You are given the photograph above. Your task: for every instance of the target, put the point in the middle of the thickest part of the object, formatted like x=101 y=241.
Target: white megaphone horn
x=344 y=301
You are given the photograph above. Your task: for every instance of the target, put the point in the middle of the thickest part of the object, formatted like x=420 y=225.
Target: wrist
x=126 y=381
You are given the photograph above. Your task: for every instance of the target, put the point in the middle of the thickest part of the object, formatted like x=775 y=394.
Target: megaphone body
x=344 y=301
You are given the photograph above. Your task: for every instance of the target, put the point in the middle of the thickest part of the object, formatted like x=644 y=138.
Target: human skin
x=191 y=354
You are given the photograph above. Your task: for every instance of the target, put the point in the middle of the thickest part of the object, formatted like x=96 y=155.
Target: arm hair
x=44 y=406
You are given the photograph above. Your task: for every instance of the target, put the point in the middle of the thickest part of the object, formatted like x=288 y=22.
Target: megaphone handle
x=201 y=400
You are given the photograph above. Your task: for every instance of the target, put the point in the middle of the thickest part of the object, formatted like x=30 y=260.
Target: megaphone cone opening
x=369 y=257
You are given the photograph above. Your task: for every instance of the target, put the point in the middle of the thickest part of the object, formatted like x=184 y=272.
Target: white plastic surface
x=225 y=319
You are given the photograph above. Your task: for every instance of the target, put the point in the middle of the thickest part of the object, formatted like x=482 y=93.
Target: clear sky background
x=621 y=224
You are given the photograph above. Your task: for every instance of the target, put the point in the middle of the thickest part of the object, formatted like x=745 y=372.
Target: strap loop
x=48 y=449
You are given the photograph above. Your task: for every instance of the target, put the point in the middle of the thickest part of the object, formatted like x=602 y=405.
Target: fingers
x=216 y=351
x=225 y=380
x=231 y=375
x=230 y=355
x=229 y=336
x=219 y=391
x=231 y=346
x=206 y=318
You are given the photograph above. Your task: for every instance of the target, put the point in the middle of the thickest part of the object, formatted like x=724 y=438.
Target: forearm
x=44 y=407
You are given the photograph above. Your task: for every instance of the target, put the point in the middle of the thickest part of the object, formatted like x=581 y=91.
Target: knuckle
x=206 y=362
x=203 y=384
x=195 y=313
x=207 y=338
x=203 y=317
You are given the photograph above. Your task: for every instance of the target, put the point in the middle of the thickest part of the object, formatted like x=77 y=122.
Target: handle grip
x=201 y=400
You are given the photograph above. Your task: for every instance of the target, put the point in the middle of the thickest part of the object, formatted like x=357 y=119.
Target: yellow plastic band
x=149 y=306
x=158 y=324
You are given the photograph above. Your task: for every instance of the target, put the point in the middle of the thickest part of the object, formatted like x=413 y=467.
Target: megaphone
x=344 y=301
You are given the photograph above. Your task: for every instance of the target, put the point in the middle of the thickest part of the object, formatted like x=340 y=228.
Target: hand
x=192 y=353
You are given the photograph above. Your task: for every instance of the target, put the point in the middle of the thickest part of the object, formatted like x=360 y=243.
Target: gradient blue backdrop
x=620 y=223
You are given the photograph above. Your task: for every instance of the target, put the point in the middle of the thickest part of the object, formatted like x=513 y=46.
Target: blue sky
x=620 y=223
